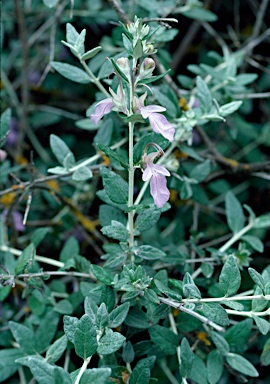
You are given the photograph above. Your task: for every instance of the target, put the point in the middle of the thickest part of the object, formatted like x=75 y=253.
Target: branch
x=120 y=12
x=230 y=165
x=182 y=308
x=32 y=184
x=24 y=75
x=11 y=278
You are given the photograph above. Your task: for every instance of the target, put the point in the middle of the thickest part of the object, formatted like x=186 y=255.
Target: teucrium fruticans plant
x=131 y=292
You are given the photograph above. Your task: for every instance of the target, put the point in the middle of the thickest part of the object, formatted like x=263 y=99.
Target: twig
x=158 y=19
x=262 y=95
x=167 y=77
x=257 y=65
x=57 y=14
x=42 y=259
x=230 y=164
x=55 y=111
x=24 y=86
x=217 y=37
x=252 y=44
x=224 y=299
x=49 y=273
x=259 y=20
x=29 y=184
x=184 y=44
x=120 y=12
x=182 y=308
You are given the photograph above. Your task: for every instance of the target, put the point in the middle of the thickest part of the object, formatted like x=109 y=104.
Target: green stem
x=219 y=299
x=174 y=329
x=42 y=259
x=131 y=170
x=22 y=376
x=83 y=368
x=236 y=237
x=168 y=372
x=248 y=313
x=131 y=188
x=94 y=79
x=227 y=245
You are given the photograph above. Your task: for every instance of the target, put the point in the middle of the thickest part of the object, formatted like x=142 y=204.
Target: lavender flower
x=17 y=219
x=158 y=122
x=13 y=133
x=102 y=108
x=158 y=183
x=117 y=103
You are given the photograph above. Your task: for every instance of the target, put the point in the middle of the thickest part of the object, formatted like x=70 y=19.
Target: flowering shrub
x=148 y=236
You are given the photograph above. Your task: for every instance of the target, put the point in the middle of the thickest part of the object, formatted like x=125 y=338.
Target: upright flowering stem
x=131 y=186
x=131 y=165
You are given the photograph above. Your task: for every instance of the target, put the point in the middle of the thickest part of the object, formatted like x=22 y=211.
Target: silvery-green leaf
x=71 y=34
x=71 y=72
x=50 y=3
x=187 y=358
x=241 y=364
x=214 y=366
x=60 y=149
x=229 y=108
x=262 y=324
x=56 y=350
x=93 y=52
x=254 y=242
x=110 y=343
x=85 y=338
x=230 y=277
x=234 y=213
x=82 y=173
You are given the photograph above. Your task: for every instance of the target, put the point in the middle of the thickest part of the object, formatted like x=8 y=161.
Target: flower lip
x=158 y=122
x=102 y=108
x=156 y=174
x=150 y=109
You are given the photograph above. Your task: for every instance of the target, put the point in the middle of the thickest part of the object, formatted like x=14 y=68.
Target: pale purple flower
x=13 y=133
x=158 y=122
x=17 y=218
x=117 y=102
x=156 y=174
x=102 y=108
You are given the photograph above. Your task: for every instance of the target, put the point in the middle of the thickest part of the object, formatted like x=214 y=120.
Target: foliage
x=133 y=240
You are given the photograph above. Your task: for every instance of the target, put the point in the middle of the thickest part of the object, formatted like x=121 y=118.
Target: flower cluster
x=139 y=32
x=119 y=103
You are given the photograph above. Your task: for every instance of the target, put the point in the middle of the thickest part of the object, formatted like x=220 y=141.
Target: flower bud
x=147 y=68
x=123 y=64
x=148 y=49
x=3 y=155
x=148 y=63
x=138 y=30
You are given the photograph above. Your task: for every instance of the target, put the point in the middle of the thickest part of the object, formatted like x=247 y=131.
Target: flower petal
x=102 y=108
x=159 y=190
x=145 y=111
x=160 y=170
x=160 y=124
x=147 y=173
